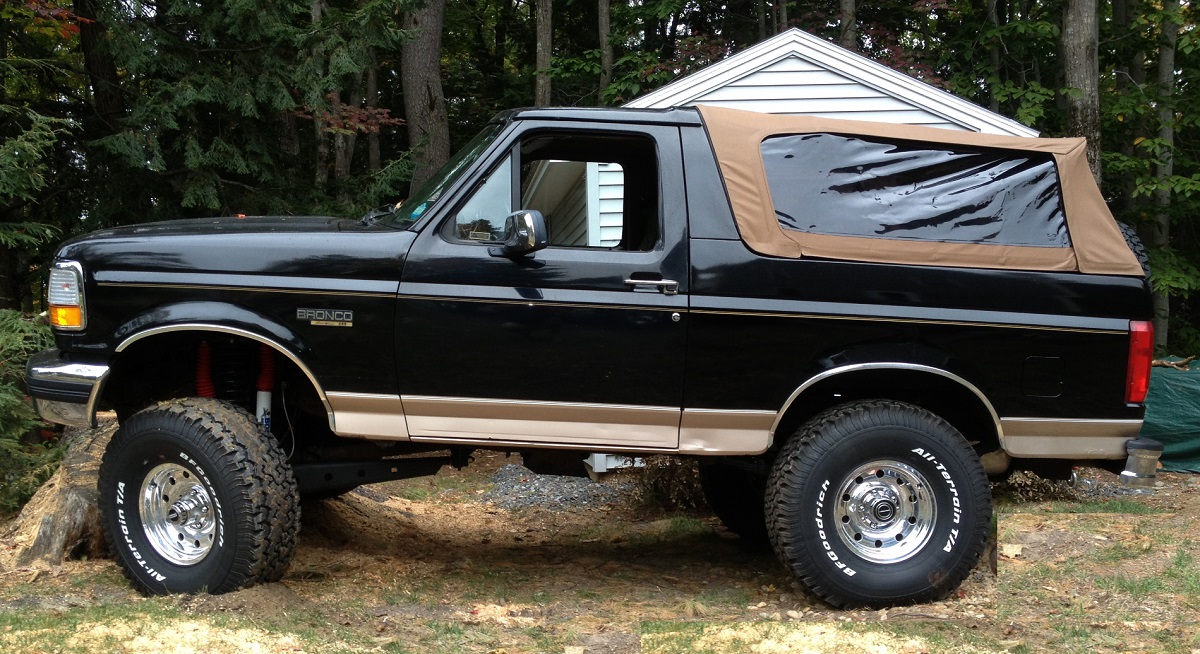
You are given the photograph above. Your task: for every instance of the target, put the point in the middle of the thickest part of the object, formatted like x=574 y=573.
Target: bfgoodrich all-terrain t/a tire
x=878 y=503
x=194 y=498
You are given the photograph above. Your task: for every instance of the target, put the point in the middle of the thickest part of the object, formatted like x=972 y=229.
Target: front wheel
x=194 y=497
x=878 y=503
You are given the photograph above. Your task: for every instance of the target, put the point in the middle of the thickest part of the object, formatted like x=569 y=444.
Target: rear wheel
x=878 y=503
x=194 y=497
x=736 y=497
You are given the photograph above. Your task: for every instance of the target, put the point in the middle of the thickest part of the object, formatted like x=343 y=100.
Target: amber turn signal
x=66 y=317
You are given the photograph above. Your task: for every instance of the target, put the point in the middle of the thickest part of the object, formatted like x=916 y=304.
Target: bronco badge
x=326 y=317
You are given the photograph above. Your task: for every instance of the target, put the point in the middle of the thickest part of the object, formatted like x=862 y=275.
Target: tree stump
x=62 y=521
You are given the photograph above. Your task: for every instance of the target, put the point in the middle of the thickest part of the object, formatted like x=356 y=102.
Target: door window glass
x=594 y=190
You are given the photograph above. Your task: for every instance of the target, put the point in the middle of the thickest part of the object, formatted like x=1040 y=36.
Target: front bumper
x=64 y=392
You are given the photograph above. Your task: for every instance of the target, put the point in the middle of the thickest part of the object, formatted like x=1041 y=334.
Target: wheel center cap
x=883 y=511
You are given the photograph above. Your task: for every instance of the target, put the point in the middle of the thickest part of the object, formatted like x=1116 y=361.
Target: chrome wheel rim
x=885 y=511
x=177 y=514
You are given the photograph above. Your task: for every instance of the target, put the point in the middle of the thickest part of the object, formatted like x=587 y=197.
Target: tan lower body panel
x=368 y=416
x=1047 y=438
x=561 y=423
x=462 y=420
x=715 y=431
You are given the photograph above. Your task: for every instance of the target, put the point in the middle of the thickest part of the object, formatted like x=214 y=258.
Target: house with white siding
x=797 y=73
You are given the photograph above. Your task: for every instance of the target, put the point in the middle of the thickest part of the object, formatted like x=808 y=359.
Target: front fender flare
x=221 y=318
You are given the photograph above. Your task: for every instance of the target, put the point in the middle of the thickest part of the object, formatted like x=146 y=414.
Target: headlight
x=65 y=296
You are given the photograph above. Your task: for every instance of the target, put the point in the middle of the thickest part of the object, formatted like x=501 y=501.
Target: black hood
x=274 y=245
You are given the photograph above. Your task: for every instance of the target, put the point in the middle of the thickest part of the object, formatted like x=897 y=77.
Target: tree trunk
x=61 y=521
x=762 y=20
x=421 y=79
x=545 y=33
x=345 y=140
x=782 y=15
x=374 y=162
x=101 y=69
x=994 y=51
x=1130 y=73
x=848 y=38
x=606 y=49
x=10 y=294
x=320 y=138
x=1081 y=71
x=1161 y=236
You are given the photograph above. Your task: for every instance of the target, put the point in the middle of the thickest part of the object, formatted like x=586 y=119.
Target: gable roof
x=853 y=87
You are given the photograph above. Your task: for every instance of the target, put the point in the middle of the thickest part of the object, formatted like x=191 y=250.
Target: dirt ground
x=426 y=566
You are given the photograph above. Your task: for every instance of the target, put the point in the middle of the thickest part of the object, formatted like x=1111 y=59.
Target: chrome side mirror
x=524 y=233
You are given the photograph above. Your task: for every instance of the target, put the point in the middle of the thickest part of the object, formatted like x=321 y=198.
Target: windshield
x=411 y=210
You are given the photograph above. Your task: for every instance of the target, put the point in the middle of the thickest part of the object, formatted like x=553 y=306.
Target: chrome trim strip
x=537 y=303
x=253 y=289
x=205 y=327
x=560 y=423
x=717 y=431
x=770 y=308
x=890 y=366
x=381 y=288
x=1068 y=438
x=366 y=415
x=511 y=443
x=68 y=413
x=917 y=321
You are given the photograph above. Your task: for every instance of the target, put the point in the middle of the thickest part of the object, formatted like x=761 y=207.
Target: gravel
x=516 y=487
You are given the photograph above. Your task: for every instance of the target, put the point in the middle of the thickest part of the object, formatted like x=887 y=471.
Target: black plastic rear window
x=852 y=186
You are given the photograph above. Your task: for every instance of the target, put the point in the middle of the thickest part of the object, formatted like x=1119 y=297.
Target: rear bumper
x=64 y=392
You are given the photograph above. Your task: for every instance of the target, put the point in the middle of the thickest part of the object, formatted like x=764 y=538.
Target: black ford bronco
x=851 y=325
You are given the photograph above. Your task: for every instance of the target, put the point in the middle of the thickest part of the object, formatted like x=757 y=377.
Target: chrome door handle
x=665 y=286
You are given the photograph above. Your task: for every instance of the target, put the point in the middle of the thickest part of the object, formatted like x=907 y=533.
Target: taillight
x=1141 y=352
x=64 y=295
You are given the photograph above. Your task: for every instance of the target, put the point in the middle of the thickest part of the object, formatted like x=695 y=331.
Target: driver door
x=581 y=343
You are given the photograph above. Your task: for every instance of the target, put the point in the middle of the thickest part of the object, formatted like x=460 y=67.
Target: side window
x=595 y=190
x=853 y=186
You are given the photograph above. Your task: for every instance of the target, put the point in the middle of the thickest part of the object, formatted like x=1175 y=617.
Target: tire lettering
x=212 y=493
x=137 y=556
x=955 y=502
x=850 y=572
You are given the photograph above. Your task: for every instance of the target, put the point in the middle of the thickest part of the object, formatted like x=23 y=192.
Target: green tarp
x=1173 y=416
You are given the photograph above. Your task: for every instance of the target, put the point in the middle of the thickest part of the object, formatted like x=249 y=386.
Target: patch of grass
x=1134 y=586
x=442 y=487
x=1185 y=573
x=1120 y=505
x=1119 y=552
x=680 y=527
x=544 y=639
x=724 y=595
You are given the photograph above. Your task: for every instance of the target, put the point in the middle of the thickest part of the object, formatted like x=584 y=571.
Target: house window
x=854 y=186
x=595 y=190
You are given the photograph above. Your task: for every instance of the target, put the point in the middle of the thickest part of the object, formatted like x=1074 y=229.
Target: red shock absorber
x=266 y=367
x=204 y=383
x=266 y=382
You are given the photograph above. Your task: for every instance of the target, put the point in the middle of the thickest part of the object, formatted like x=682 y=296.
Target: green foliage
x=1172 y=273
x=23 y=466
x=22 y=154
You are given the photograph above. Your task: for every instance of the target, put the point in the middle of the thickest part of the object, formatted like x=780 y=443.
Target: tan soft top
x=1097 y=245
